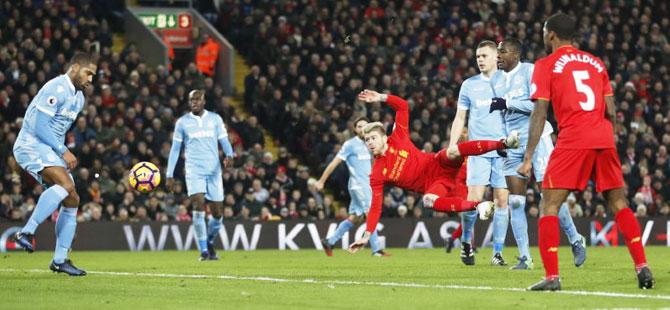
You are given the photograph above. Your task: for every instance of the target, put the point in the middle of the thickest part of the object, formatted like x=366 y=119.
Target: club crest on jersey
x=52 y=100
x=403 y=153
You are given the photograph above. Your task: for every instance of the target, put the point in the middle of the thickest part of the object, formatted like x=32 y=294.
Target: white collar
x=518 y=66
x=204 y=113
x=69 y=83
x=485 y=78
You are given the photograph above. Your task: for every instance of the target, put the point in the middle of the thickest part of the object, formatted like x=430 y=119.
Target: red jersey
x=403 y=164
x=576 y=83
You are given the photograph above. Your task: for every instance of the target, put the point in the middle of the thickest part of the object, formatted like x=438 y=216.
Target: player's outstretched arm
x=399 y=105
x=326 y=173
x=537 y=120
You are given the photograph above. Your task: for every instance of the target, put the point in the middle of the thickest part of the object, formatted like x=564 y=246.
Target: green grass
x=24 y=285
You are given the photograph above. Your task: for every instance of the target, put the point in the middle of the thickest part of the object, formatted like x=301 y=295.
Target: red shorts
x=571 y=169
x=446 y=187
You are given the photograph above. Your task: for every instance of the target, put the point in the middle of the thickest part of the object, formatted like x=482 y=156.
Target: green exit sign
x=166 y=21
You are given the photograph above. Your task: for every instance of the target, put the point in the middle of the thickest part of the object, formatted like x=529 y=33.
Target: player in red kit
x=399 y=162
x=577 y=85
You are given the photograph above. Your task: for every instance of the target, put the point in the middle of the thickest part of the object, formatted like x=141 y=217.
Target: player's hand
x=497 y=104
x=319 y=185
x=370 y=96
x=227 y=162
x=169 y=184
x=524 y=170
x=70 y=160
x=360 y=243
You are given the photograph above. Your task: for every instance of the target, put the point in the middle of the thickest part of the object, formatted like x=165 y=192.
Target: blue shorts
x=211 y=185
x=361 y=199
x=540 y=159
x=484 y=171
x=35 y=157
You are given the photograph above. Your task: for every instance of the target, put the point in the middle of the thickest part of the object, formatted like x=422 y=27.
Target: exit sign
x=166 y=21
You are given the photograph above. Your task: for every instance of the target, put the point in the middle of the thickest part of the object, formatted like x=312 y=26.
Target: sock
x=374 y=242
x=453 y=204
x=478 y=147
x=519 y=223
x=468 y=220
x=548 y=242
x=500 y=224
x=567 y=225
x=65 y=228
x=630 y=228
x=47 y=204
x=213 y=227
x=342 y=228
x=200 y=230
x=458 y=232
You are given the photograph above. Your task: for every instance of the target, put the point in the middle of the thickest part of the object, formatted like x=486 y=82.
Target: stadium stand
x=308 y=64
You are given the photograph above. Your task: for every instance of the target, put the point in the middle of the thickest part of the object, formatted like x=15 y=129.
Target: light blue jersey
x=475 y=96
x=201 y=136
x=40 y=142
x=515 y=87
x=359 y=162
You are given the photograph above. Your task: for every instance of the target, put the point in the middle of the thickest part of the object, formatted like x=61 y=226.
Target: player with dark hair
x=516 y=105
x=400 y=163
x=577 y=84
x=40 y=150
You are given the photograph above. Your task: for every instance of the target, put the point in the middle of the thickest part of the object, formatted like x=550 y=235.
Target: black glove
x=502 y=153
x=498 y=104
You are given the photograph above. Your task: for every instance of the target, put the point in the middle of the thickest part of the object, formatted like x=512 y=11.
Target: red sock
x=458 y=232
x=548 y=242
x=478 y=147
x=630 y=228
x=452 y=204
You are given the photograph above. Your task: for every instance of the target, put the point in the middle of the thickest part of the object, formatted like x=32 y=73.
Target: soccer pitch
x=272 y=279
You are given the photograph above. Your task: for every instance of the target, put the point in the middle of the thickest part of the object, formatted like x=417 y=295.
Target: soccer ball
x=144 y=177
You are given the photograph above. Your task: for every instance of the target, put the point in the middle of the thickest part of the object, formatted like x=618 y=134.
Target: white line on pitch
x=340 y=282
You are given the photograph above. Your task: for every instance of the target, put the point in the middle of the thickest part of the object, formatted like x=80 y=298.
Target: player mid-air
x=474 y=100
x=40 y=150
x=359 y=162
x=201 y=131
x=516 y=106
x=400 y=163
x=577 y=85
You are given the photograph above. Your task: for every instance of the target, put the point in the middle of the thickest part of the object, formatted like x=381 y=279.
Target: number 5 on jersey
x=580 y=76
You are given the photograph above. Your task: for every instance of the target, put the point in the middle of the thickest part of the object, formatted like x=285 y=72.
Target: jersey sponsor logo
x=363 y=157
x=483 y=102
x=201 y=134
x=69 y=114
x=560 y=64
x=52 y=100
x=515 y=93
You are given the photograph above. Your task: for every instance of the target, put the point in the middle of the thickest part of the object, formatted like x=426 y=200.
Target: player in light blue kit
x=201 y=131
x=514 y=101
x=40 y=150
x=487 y=169
x=359 y=161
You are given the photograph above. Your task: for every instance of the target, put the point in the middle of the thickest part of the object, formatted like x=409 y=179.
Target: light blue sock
x=213 y=227
x=568 y=226
x=468 y=220
x=500 y=223
x=519 y=223
x=374 y=242
x=47 y=204
x=342 y=228
x=200 y=230
x=66 y=225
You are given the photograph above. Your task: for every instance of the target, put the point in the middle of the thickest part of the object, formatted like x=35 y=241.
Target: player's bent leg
x=61 y=191
x=342 y=228
x=630 y=228
x=577 y=241
x=549 y=237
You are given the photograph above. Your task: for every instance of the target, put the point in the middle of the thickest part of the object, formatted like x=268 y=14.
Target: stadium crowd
x=308 y=64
